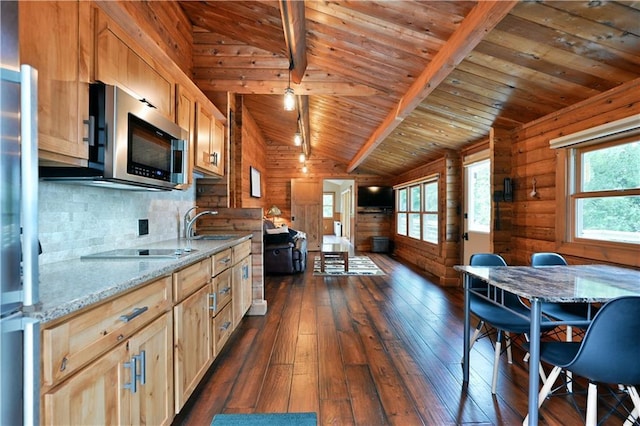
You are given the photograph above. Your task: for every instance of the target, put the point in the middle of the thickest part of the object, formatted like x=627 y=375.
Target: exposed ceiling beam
x=303 y=121
x=482 y=18
x=295 y=33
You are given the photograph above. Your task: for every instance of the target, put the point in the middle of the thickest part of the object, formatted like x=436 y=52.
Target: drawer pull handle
x=225 y=260
x=214 y=301
x=225 y=326
x=225 y=290
x=136 y=312
x=63 y=364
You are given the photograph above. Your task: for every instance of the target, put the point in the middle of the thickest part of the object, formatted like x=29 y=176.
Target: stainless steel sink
x=139 y=253
x=214 y=237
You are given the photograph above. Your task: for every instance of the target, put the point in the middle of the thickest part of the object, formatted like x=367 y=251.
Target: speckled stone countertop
x=66 y=287
x=574 y=283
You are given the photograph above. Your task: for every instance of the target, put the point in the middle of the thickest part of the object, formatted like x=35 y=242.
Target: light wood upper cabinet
x=209 y=141
x=120 y=63
x=55 y=38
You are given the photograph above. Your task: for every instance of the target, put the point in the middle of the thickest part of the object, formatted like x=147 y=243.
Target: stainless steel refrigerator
x=19 y=343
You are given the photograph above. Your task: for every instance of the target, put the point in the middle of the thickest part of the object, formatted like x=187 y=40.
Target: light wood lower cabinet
x=242 y=291
x=192 y=344
x=131 y=384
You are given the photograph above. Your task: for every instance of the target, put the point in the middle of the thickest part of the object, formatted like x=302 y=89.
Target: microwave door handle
x=179 y=161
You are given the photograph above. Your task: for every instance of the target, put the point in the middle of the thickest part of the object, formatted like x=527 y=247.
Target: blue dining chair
x=560 y=311
x=502 y=318
x=608 y=353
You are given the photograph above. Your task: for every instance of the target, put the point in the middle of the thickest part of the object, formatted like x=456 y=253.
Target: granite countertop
x=66 y=287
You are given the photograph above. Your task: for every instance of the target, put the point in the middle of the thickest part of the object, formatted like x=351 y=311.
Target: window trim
x=333 y=205
x=605 y=251
x=420 y=183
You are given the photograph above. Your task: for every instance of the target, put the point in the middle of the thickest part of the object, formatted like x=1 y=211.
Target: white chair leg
x=473 y=339
x=635 y=413
x=545 y=390
x=496 y=360
x=592 y=405
x=508 y=343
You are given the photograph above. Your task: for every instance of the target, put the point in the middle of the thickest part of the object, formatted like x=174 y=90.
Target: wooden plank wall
x=534 y=218
x=500 y=154
x=438 y=260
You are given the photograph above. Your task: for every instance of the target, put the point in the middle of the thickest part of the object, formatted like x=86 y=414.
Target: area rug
x=265 y=419
x=358 y=265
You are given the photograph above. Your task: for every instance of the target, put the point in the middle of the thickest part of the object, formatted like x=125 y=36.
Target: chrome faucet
x=186 y=219
x=188 y=230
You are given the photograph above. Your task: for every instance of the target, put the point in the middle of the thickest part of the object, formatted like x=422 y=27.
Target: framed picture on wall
x=255 y=182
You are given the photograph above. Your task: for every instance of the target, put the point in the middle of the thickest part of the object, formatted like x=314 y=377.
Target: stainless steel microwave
x=131 y=145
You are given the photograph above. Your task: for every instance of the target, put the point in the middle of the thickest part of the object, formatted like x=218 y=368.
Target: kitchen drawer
x=220 y=262
x=221 y=291
x=186 y=281
x=79 y=340
x=222 y=328
x=241 y=251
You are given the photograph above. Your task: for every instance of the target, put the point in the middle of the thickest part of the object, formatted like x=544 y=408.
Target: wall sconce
x=302 y=157
x=289 y=96
x=297 y=139
x=533 y=192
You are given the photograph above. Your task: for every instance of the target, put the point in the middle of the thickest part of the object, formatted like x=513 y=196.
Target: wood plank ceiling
x=387 y=91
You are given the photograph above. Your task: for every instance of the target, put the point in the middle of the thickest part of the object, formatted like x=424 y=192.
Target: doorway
x=339 y=220
x=477 y=205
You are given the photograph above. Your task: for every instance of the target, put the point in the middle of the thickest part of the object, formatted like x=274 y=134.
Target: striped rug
x=358 y=265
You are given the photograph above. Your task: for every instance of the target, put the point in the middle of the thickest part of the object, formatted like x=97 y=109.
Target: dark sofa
x=285 y=250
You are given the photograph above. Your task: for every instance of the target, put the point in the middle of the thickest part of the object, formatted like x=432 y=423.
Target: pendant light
x=297 y=139
x=302 y=157
x=289 y=96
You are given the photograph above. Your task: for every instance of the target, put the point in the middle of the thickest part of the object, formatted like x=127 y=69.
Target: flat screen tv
x=380 y=197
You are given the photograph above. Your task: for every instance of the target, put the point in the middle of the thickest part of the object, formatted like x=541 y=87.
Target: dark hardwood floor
x=366 y=350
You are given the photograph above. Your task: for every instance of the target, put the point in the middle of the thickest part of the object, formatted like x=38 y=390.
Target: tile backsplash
x=75 y=220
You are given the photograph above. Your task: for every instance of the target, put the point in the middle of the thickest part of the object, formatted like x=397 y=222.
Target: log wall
x=534 y=217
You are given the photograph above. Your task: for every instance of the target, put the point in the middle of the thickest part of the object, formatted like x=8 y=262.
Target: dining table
x=592 y=284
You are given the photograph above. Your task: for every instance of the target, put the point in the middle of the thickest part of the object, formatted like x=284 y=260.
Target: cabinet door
x=209 y=150
x=95 y=396
x=152 y=403
x=192 y=343
x=217 y=148
x=242 y=296
x=55 y=40
x=120 y=62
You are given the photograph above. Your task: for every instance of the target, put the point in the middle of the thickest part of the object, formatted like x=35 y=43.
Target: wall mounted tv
x=378 y=197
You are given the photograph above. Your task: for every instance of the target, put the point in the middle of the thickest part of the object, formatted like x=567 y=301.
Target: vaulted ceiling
x=392 y=84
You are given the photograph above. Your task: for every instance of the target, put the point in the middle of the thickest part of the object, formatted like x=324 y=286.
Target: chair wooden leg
x=546 y=389
x=473 y=339
x=635 y=413
x=508 y=343
x=592 y=405
x=496 y=360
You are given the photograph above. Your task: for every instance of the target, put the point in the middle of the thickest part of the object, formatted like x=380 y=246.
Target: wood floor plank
x=367 y=408
x=274 y=397
x=336 y=412
x=332 y=380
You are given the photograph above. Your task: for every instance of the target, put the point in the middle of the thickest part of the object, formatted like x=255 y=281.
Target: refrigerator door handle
x=29 y=195
x=31 y=374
